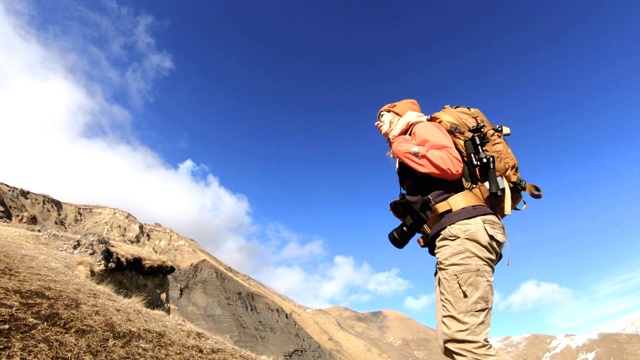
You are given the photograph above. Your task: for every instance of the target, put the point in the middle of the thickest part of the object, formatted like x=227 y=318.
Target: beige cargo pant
x=467 y=253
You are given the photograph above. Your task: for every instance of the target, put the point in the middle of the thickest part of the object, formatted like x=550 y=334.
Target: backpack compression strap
x=534 y=191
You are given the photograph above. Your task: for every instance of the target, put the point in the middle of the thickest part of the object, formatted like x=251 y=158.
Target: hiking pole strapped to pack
x=477 y=158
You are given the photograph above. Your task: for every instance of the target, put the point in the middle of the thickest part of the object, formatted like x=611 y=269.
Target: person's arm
x=429 y=149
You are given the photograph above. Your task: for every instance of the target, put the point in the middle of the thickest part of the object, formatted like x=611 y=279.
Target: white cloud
x=66 y=135
x=422 y=302
x=534 y=293
x=345 y=274
x=108 y=45
x=600 y=305
x=340 y=282
x=285 y=246
x=559 y=310
x=387 y=282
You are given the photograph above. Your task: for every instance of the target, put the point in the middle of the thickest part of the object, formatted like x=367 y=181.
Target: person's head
x=389 y=114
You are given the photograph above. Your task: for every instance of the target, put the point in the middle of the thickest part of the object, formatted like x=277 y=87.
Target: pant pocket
x=475 y=289
x=494 y=228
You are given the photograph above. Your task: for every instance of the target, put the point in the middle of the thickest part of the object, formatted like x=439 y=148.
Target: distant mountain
x=571 y=347
x=176 y=277
x=629 y=324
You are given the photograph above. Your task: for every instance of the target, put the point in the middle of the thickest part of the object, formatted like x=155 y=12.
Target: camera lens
x=400 y=236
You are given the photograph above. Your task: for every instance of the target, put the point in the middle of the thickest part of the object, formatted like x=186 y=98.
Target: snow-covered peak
x=628 y=324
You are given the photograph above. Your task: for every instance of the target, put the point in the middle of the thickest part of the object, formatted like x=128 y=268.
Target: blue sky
x=248 y=126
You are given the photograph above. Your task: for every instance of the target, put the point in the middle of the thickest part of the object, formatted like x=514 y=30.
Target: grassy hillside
x=49 y=310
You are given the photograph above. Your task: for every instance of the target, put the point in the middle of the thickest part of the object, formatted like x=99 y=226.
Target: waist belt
x=454 y=203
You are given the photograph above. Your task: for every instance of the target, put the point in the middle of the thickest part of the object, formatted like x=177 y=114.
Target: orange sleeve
x=429 y=149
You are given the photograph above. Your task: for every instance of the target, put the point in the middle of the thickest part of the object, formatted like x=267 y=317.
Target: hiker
x=466 y=238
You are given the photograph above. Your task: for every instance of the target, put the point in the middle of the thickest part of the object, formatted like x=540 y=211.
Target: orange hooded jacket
x=429 y=149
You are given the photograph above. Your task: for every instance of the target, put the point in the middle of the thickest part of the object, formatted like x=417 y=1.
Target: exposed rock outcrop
x=208 y=297
x=129 y=271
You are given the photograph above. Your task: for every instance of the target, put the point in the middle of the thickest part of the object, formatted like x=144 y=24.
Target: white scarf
x=402 y=125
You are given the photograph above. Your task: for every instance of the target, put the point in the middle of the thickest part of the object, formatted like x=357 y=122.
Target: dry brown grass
x=48 y=310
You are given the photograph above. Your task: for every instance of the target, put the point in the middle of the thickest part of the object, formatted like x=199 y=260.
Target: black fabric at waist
x=454 y=217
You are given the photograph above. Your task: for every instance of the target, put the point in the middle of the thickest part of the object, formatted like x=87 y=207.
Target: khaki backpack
x=491 y=170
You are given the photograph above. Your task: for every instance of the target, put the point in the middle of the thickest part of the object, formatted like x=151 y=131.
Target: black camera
x=412 y=222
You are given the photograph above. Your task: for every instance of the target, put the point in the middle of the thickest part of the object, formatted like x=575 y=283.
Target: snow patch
x=589 y=356
x=562 y=341
x=511 y=340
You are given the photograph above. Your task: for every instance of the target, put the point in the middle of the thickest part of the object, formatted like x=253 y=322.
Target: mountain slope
x=53 y=255
x=49 y=310
x=203 y=289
